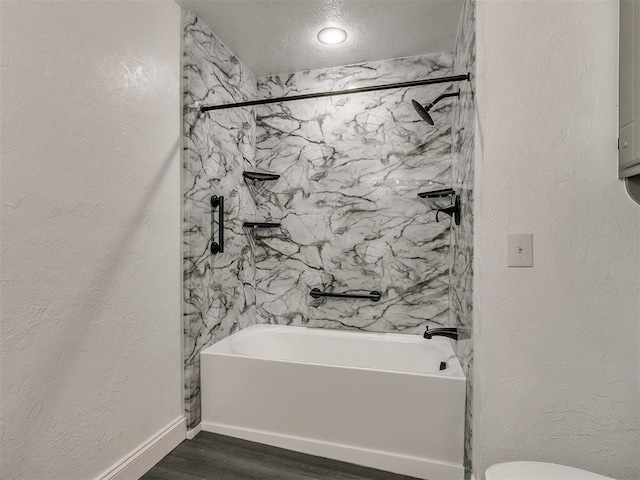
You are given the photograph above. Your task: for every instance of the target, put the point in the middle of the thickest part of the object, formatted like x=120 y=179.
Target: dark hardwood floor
x=217 y=457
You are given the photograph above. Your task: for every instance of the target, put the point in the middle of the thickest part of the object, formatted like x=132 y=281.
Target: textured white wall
x=90 y=197
x=557 y=347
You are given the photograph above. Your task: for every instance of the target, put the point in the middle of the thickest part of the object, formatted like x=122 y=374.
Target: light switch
x=520 y=250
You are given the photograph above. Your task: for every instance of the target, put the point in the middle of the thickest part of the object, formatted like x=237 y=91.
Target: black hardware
x=443 y=366
x=449 y=332
x=374 y=296
x=444 y=192
x=218 y=202
x=260 y=176
x=260 y=225
x=424 y=111
x=416 y=83
x=452 y=210
x=442 y=97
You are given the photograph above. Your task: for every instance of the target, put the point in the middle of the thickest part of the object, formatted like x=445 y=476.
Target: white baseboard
x=194 y=431
x=138 y=462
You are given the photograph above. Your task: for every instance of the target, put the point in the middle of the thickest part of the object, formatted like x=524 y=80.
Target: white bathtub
x=374 y=399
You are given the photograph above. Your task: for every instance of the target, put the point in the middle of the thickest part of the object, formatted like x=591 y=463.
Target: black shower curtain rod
x=415 y=83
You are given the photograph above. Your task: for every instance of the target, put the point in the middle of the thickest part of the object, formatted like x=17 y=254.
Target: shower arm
x=442 y=97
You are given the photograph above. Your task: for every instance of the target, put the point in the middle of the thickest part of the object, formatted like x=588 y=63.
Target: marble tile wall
x=350 y=168
x=461 y=292
x=219 y=291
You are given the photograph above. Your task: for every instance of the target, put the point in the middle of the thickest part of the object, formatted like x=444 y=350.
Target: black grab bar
x=374 y=296
x=218 y=202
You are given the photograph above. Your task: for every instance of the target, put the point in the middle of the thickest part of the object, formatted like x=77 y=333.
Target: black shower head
x=424 y=114
x=424 y=111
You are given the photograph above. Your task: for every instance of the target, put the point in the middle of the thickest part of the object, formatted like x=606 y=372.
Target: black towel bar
x=374 y=296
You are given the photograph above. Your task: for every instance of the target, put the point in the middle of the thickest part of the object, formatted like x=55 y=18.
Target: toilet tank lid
x=538 y=471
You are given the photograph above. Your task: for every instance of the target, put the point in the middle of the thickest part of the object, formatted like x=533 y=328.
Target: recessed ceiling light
x=332 y=36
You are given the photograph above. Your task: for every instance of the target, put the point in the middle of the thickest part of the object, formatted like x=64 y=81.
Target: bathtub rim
x=453 y=371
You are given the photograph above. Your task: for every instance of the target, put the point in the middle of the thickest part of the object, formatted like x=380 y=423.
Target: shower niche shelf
x=260 y=176
x=261 y=224
x=443 y=192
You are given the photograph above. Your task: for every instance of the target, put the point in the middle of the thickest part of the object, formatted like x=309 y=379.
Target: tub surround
x=344 y=212
x=350 y=219
x=219 y=294
x=351 y=168
x=462 y=173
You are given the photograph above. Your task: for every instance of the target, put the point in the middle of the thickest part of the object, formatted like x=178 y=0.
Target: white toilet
x=538 y=471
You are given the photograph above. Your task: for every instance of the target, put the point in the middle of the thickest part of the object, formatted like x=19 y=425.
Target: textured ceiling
x=279 y=36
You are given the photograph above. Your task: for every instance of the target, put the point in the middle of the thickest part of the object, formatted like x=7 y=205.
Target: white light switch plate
x=520 y=250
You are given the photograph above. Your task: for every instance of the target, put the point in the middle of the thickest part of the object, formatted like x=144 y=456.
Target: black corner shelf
x=261 y=225
x=260 y=176
x=444 y=192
